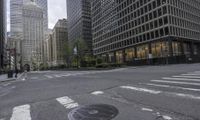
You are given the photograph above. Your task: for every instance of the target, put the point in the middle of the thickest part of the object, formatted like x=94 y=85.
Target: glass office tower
x=146 y=31
x=79 y=21
x=2 y=31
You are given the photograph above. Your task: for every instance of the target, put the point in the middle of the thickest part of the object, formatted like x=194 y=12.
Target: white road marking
x=174 y=87
x=147 y=109
x=191 y=74
x=21 y=113
x=97 y=93
x=67 y=102
x=66 y=75
x=166 y=117
x=189 y=96
x=175 y=82
x=195 y=77
x=181 y=79
x=6 y=84
x=48 y=76
x=57 y=76
x=141 y=89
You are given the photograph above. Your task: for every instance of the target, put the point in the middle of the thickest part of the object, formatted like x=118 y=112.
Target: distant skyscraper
x=33 y=35
x=79 y=21
x=2 y=31
x=16 y=15
x=59 y=40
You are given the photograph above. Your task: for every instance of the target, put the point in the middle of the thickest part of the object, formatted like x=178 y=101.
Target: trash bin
x=10 y=74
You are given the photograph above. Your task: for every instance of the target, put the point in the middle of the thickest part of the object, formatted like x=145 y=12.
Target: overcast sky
x=57 y=10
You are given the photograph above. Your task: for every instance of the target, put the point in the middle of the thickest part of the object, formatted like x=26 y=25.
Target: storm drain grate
x=94 y=112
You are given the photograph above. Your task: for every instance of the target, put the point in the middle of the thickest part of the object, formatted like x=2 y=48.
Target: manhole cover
x=94 y=112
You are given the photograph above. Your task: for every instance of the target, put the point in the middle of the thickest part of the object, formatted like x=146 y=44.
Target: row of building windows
x=129 y=22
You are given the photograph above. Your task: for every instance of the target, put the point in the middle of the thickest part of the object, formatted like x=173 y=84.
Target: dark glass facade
x=146 y=31
x=2 y=31
x=79 y=21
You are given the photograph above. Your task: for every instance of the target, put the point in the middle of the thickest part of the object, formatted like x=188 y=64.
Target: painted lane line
x=6 y=84
x=194 y=77
x=188 y=96
x=48 y=76
x=192 y=74
x=67 y=102
x=147 y=109
x=21 y=113
x=174 y=87
x=175 y=82
x=97 y=93
x=141 y=89
x=66 y=75
x=166 y=117
x=57 y=76
x=181 y=79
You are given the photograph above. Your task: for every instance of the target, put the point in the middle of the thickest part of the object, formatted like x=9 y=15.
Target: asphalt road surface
x=142 y=93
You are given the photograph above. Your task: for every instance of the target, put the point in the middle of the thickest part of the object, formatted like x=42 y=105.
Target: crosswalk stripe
x=48 y=76
x=161 y=92
x=174 y=87
x=181 y=79
x=191 y=74
x=176 y=82
x=21 y=113
x=195 y=77
x=67 y=102
x=141 y=89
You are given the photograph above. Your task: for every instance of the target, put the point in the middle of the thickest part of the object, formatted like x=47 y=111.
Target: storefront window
x=142 y=52
x=130 y=54
x=119 y=56
x=176 y=48
x=159 y=49
x=111 y=57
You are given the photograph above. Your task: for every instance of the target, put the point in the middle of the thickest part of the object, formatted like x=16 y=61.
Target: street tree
x=67 y=52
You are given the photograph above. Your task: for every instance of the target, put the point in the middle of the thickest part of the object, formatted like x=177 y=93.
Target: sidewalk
x=4 y=77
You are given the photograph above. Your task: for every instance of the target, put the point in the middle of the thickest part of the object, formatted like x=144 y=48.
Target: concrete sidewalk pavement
x=4 y=77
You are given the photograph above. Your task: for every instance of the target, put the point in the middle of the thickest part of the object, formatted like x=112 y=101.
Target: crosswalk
x=183 y=86
x=78 y=73
x=182 y=82
x=26 y=112
x=23 y=112
x=191 y=79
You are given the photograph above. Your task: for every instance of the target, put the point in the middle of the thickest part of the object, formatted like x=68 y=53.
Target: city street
x=170 y=92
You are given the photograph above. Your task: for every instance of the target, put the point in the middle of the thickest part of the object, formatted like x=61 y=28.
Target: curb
x=7 y=80
x=12 y=79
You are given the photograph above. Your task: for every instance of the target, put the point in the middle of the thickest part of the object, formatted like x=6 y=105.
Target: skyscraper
x=33 y=35
x=2 y=31
x=79 y=21
x=16 y=16
x=59 y=42
x=146 y=31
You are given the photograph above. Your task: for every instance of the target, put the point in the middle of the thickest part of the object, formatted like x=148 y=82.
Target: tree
x=82 y=48
x=67 y=52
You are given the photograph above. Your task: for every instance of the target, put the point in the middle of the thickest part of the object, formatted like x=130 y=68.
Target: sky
x=57 y=10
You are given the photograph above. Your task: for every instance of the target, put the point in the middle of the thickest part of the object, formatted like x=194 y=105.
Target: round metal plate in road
x=94 y=112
